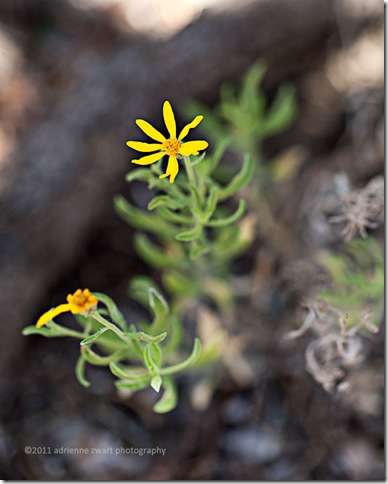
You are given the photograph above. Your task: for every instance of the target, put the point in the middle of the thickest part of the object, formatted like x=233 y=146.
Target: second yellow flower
x=172 y=146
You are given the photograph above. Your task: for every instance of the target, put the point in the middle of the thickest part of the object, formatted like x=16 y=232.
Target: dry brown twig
x=335 y=347
x=361 y=209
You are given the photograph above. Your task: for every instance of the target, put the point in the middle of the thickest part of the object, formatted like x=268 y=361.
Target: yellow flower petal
x=46 y=317
x=144 y=147
x=189 y=126
x=150 y=131
x=80 y=301
x=169 y=119
x=149 y=159
x=192 y=147
x=172 y=169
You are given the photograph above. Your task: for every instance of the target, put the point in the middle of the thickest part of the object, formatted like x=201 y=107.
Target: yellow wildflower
x=77 y=303
x=171 y=146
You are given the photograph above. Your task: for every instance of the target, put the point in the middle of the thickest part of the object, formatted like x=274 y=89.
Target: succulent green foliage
x=139 y=359
x=243 y=119
x=190 y=233
x=197 y=235
x=170 y=397
x=243 y=115
x=357 y=279
x=113 y=310
x=52 y=330
x=193 y=223
x=80 y=372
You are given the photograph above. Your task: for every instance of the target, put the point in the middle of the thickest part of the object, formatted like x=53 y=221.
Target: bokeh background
x=74 y=75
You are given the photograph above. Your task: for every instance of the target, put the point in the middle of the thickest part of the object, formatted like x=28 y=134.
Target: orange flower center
x=171 y=146
x=81 y=300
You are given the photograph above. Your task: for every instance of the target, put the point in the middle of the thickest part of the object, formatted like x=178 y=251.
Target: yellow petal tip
x=44 y=319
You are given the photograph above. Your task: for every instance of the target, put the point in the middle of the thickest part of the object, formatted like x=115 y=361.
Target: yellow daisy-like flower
x=171 y=146
x=77 y=303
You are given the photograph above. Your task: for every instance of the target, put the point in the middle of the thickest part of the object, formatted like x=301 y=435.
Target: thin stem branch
x=110 y=326
x=190 y=172
x=66 y=331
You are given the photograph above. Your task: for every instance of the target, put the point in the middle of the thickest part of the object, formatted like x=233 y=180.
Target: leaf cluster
x=243 y=114
x=188 y=221
x=140 y=357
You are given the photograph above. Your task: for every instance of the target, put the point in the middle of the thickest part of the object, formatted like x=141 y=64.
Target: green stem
x=93 y=358
x=110 y=326
x=190 y=172
x=66 y=331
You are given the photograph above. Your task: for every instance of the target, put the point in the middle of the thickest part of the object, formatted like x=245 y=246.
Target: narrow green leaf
x=184 y=364
x=209 y=355
x=227 y=93
x=93 y=337
x=80 y=372
x=159 y=201
x=233 y=218
x=138 y=348
x=94 y=359
x=250 y=89
x=175 y=282
x=211 y=123
x=211 y=202
x=188 y=235
x=169 y=398
x=156 y=354
x=157 y=302
x=231 y=111
x=159 y=338
x=142 y=336
x=175 y=332
x=173 y=217
x=160 y=309
x=150 y=252
x=229 y=244
x=140 y=174
x=52 y=330
x=133 y=385
x=153 y=254
x=149 y=360
x=44 y=331
x=156 y=383
x=114 y=311
x=240 y=180
x=138 y=289
x=128 y=373
x=165 y=201
x=62 y=331
x=213 y=160
x=281 y=113
x=197 y=160
x=109 y=341
x=142 y=220
x=196 y=197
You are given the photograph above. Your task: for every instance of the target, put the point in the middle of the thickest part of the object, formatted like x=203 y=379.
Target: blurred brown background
x=74 y=75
